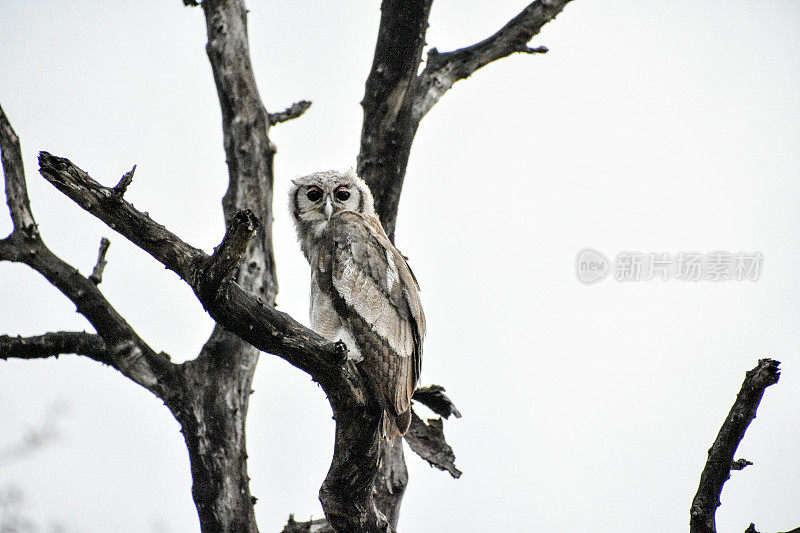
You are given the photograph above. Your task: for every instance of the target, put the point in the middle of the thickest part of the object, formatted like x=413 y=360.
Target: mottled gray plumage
x=362 y=290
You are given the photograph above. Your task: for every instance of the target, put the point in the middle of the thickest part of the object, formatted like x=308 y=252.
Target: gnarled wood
x=237 y=285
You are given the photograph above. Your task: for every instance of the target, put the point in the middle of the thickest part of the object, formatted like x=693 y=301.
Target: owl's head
x=315 y=198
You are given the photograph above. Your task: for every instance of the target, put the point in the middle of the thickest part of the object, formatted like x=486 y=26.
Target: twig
x=124 y=182
x=16 y=191
x=740 y=464
x=220 y=266
x=291 y=112
x=442 y=70
x=120 y=215
x=54 y=344
x=436 y=400
x=720 y=456
x=96 y=276
x=427 y=441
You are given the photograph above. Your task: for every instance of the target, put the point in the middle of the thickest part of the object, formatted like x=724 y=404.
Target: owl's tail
x=393 y=426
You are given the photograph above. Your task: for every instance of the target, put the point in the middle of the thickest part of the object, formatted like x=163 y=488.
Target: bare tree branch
x=442 y=70
x=125 y=181
x=126 y=351
x=347 y=492
x=720 y=456
x=427 y=441
x=396 y=98
x=220 y=266
x=96 y=276
x=121 y=216
x=16 y=190
x=55 y=344
x=227 y=302
x=740 y=464
x=291 y=112
x=436 y=400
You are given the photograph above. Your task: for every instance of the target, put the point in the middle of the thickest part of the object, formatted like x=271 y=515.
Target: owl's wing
x=381 y=305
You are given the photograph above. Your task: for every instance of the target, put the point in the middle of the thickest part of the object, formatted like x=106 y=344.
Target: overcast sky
x=650 y=126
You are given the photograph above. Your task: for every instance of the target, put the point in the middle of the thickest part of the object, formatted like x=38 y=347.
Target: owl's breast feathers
x=375 y=294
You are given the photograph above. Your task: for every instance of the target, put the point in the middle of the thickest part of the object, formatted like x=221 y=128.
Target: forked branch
x=396 y=97
x=232 y=307
x=125 y=350
x=120 y=215
x=443 y=69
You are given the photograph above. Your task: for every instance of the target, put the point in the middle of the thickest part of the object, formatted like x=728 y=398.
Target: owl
x=362 y=290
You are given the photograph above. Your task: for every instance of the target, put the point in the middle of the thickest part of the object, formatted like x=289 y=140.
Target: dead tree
x=237 y=284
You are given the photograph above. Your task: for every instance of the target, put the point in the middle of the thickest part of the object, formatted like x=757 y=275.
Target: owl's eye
x=314 y=194
x=342 y=194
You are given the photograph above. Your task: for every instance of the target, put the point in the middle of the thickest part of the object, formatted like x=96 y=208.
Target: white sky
x=650 y=126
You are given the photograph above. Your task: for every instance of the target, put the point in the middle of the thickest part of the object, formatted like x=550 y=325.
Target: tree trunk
x=219 y=380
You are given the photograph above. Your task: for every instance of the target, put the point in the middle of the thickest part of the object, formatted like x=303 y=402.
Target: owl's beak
x=328 y=208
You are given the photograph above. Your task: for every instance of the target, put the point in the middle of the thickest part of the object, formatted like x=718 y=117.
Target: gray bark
x=396 y=98
x=237 y=284
x=209 y=395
